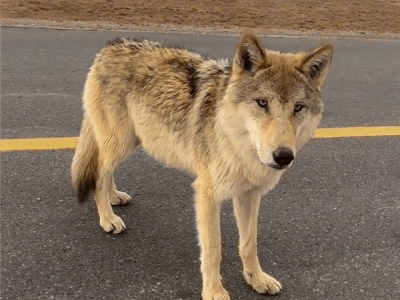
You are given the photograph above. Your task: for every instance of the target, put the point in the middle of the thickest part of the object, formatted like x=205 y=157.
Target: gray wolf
x=234 y=126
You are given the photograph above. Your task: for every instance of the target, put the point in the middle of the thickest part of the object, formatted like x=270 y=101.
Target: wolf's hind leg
x=109 y=221
x=115 y=147
x=117 y=197
x=246 y=212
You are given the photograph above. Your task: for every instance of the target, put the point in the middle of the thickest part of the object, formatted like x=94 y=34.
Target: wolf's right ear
x=250 y=55
x=315 y=64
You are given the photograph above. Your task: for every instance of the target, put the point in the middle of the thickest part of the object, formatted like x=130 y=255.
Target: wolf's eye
x=262 y=103
x=298 y=108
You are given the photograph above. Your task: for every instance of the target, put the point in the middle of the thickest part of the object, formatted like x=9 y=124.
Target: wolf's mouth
x=279 y=167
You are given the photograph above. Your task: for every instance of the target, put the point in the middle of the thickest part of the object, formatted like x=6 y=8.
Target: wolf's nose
x=283 y=156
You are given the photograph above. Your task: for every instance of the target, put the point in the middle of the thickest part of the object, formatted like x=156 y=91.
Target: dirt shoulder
x=310 y=18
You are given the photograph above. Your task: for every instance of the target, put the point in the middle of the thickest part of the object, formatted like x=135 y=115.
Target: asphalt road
x=329 y=230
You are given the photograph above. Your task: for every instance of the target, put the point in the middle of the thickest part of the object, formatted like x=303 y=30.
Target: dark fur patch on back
x=192 y=74
x=170 y=46
x=117 y=41
x=207 y=111
x=135 y=43
x=190 y=68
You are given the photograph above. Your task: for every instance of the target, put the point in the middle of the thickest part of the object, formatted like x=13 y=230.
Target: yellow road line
x=70 y=142
x=357 y=132
x=38 y=144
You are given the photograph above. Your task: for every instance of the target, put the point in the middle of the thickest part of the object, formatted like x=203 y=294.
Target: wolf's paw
x=120 y=198
x=263 y=283
x=221 y=294
x=112 y=224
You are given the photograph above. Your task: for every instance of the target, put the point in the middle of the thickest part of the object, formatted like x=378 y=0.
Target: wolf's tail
x=84 y=167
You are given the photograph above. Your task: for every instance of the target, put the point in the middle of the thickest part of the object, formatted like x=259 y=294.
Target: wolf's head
x=276 y=99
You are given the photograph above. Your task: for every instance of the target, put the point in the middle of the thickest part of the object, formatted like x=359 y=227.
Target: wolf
x=235 y=126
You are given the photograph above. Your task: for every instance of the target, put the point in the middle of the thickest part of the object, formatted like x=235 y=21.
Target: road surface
x=329 y=230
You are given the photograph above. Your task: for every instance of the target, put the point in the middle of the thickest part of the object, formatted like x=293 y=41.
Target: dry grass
x=334 y=15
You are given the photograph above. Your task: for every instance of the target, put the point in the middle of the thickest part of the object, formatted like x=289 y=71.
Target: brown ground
x=359 y=16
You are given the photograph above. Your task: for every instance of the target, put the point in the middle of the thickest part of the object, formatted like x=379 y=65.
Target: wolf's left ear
x=250 y=55
x=315 y=64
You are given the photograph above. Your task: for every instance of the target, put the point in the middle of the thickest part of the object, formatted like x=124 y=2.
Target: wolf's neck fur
x=225 y=146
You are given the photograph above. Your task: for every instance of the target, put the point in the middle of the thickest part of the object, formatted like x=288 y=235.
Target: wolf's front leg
x=208 y=225
x=246 y=212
